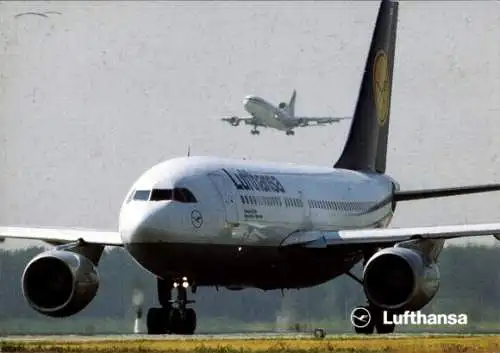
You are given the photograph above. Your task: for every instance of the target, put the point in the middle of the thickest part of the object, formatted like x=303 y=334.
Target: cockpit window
x=177 y=194
x=161 y=194
x=184 y=195
x=142 y=195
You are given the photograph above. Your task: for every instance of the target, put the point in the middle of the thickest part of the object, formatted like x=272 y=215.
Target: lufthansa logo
x=381 y=86
x=196 y=218
x=360 y=317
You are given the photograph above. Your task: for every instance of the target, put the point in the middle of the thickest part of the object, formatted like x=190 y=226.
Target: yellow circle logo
x=381 y=86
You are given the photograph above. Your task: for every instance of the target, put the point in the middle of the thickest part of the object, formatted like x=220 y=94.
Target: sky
x=97 y=93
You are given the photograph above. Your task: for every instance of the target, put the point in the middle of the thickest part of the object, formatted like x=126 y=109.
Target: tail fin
x=291 y=104
x=366 y=145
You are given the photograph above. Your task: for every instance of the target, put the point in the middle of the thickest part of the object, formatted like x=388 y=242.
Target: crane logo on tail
x=381 y=87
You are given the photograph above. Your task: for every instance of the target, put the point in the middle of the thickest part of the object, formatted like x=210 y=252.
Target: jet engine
x=59 y=283
x=234 y=121
x=400 y=279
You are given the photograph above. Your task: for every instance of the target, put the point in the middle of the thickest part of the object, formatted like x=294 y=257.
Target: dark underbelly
x=262 y=267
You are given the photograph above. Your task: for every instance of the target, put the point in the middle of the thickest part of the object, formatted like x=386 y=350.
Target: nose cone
x=140 y=222
x=248 y=100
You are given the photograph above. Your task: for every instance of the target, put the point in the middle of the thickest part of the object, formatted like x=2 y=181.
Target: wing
x=305 y=121
x=61 y=235
x=388 y=235
x=235 y=121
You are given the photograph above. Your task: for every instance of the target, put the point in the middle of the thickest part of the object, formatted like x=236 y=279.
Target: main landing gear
x=254 y=131
x=173 y=317
x=368 y=318
x=290 y=133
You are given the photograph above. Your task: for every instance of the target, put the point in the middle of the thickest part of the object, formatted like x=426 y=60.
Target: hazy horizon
x=94 y=96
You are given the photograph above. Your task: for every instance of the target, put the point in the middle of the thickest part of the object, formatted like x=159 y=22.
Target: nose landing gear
x=173 y=317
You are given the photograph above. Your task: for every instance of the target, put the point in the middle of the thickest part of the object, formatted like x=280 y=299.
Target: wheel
x=368 y=330
x=189 y=321
x=156 y=321
x=384 y=328
x=378 y=318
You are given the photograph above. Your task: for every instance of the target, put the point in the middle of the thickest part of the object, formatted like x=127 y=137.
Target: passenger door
x=226 y=190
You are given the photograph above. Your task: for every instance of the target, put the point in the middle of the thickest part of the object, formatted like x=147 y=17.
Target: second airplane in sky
x=282 y=117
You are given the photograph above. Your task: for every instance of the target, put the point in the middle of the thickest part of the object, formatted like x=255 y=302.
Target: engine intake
x=400 y=279
x=59 y=283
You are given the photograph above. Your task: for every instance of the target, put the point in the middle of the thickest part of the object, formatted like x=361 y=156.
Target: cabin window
x=141 y=195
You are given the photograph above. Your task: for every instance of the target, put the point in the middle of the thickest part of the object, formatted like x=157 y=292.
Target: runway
x=218 y=337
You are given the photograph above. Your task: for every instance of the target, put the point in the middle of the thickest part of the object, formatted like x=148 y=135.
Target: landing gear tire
x=174 y=317
x=368 y=330
x=157 y=321
x=189 y=321
x=385 y=328
x=255 y=132
x=290 y=133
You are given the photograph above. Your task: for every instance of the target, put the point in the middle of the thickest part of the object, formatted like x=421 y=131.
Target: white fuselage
x=268 y=114
x=234 y=197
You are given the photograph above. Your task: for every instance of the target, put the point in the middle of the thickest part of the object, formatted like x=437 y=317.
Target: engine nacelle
x=400 y=279
x=234 y=121
x=59 y=283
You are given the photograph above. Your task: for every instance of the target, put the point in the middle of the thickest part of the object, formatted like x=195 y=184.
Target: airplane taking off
x=282 y=118
x=206 y=221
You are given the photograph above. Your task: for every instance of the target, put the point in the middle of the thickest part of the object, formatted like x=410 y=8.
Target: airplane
x=282 y=118
x=207 y=221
